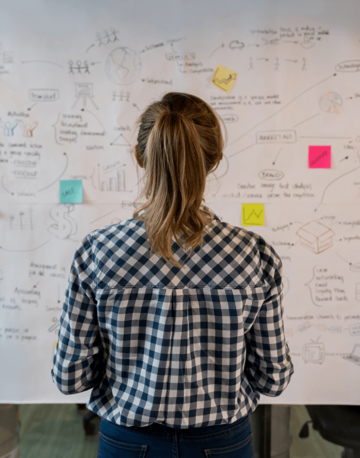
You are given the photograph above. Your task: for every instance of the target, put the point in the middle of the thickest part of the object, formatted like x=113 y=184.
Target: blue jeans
x=160 y=441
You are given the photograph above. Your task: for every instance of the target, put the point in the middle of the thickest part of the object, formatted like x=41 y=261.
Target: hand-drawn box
x=315 y=236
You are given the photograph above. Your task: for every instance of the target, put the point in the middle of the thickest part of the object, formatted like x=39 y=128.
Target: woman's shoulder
x=111 y=233
x=251 y=246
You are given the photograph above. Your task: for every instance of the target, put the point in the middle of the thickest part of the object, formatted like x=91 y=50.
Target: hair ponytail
x=179 y=143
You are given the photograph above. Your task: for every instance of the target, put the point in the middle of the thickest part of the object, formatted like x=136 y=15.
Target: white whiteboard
x=74 y=76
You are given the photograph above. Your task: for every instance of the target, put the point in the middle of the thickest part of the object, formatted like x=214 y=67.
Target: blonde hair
x=179 y=143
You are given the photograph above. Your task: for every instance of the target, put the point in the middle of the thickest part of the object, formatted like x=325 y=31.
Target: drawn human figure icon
x=28 y=128
x=127 y=96
x=71 y=68
x=64 y=225
x=99 y=39
x=107 y=36
x=78 y=63
x=113 y=33
x=251 y=64
x=304 y=64
x=8 y=127
x=277 y=61
x=86 y=67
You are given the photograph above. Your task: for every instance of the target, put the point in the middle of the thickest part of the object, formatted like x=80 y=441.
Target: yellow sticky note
x=55 y=343
x=224 y=78
x=253 y=215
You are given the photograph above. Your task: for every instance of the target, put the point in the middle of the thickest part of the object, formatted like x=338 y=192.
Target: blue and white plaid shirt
x=187 y=348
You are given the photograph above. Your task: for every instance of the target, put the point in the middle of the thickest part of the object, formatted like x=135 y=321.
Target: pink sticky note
x=319 y=157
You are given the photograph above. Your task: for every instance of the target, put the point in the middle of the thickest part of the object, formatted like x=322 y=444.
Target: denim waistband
x=160 y=428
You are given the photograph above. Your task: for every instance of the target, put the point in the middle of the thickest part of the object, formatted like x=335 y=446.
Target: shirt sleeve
x=78 y=360
x=269 y=367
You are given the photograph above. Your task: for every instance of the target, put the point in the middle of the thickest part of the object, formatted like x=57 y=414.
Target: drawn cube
x=316 y=237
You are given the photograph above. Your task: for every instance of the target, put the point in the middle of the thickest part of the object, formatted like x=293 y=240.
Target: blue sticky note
x=71 y=191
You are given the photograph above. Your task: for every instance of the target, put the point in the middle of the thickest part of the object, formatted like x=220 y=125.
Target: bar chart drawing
x=23 y=220
x=113 y=180
x=114 y=183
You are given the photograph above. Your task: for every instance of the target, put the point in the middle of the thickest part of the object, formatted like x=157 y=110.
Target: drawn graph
x=253 y=215
x=114 y=183
x=225 y=81
x=111 y=179
x=23 y=220
x=331 y=102
x=224 y=78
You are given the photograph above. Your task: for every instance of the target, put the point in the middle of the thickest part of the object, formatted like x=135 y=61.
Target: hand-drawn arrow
x=40 y=62
x=332 y=182
x=217 y=49
x=58 y=178
x=285 y=106
x=2 y=184
x=88 y=111
x=277 y=156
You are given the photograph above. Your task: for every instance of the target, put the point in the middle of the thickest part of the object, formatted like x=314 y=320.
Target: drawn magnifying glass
x=55 y=326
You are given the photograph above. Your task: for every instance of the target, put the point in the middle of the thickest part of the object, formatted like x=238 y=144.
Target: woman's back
x=185 y=347
x=174 y=318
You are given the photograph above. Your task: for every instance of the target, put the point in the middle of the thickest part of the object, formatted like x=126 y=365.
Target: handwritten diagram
x=287 y=93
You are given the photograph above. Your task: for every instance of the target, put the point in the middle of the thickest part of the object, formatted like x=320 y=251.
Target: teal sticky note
x=71 y=191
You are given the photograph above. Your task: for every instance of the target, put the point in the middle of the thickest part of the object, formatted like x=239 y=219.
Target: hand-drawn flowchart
x=287 y=90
